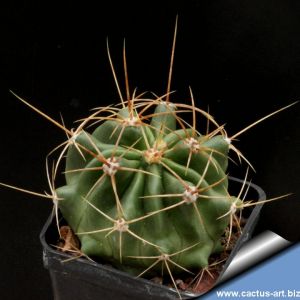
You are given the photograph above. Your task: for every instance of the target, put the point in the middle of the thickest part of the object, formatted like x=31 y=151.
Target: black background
x=242 y=58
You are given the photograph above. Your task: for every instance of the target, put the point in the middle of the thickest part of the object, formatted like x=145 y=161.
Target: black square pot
x=81 y=279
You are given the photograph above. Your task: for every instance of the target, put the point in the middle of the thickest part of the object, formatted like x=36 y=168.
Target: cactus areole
x=145 y=188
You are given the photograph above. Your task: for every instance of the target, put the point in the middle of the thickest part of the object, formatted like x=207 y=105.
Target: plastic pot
x=80 y=279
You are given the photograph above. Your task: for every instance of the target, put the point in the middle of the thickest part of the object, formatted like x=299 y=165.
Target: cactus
x=140 y=189
x=146 y=187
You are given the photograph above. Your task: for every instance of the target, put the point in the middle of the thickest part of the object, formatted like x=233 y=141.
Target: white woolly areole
x=55 y=199
x=193 y=144
x=227 y=140
x=121 y=225
x=190 y=195
x=170 y=104
x=233 y=208
x=132 y=121
x=111 y=166
x=164 y=257
x=153 y=155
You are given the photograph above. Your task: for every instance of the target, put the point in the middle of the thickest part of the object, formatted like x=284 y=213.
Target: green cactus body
x=137 y=191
